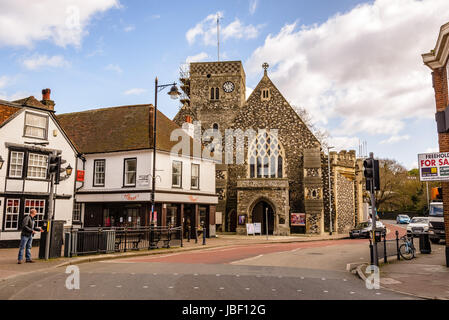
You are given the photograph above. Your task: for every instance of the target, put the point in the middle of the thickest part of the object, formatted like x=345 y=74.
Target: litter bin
x=378 y=234
x=56 y=240
x=424 y=243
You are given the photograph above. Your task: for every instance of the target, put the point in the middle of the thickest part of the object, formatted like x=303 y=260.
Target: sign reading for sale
x=434 y=166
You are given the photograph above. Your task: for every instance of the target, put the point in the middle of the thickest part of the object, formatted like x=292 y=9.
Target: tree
x=321 y=134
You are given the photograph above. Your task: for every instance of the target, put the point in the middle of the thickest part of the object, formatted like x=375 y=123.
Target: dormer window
x=214 y=93
x=35 y=126
x=265 y=94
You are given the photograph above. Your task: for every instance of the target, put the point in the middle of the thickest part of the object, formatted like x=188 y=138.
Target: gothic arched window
x=266 y=157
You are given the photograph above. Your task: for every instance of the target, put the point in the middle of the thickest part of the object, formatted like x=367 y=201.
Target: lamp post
x=330 y=190
x=174 y=94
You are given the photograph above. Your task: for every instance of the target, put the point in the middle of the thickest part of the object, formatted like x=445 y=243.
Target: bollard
x=196 y=235
x=204 y=236
x=397 y=245
x=371 y=252
x=182 y=235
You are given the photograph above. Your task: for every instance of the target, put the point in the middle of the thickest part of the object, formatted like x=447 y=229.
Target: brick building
x=284 y=169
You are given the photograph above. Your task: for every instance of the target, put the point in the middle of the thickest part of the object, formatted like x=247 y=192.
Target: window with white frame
x=76 y=215
x=266 y=157
x=195 y=181
x=16 y=164
x=39 y=205
x=37 y=166
x=177 y=174
x=99 y=173
x=36 y=125
x=130 y=172
x=12 y=214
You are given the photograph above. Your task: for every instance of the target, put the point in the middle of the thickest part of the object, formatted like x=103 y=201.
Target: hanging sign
x=80 y=175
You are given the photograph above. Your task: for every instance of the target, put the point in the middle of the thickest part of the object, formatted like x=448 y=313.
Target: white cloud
x=253 y=6
x=155 y=16
x=248 y=92
x=432 y=150
x=114 y=67
x=395 y=139
x=15 y=96
x=129 y=28
x=23 y=22
x=344 y=143
x=206 y=30
x=38 y=61
x=198 y=57
x=135 y=91
x=363 y=68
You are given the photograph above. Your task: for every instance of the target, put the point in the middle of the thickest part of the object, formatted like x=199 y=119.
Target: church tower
x=215 y=92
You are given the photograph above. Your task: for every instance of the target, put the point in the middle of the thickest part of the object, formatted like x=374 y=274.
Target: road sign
x=434 y=166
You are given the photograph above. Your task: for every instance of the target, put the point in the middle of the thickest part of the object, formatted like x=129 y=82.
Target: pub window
x=16 y=164
x=39 y=205
x=37 y=166
x=12 y=214
x=99 y=173
x=177 y=174
x=36 y=126
x=76 y=214
x=195 y=184
x=130 y=172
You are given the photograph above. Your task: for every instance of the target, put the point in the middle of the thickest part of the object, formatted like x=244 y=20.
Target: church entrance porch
x=255 y=197
x=263 y=213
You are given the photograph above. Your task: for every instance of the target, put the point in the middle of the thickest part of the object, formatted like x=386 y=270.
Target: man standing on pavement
x=26 y=239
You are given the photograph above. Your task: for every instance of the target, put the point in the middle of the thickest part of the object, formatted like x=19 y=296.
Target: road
x=288 y=271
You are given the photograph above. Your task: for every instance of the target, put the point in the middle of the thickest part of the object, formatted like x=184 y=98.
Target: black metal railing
x=386 y=248
x=109 y=240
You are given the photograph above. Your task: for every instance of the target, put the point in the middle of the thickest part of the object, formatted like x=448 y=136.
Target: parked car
x=403 y=219
x=364 y=229
x=418 y=225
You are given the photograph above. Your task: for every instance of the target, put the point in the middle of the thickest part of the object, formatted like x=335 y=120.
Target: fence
x=387 y=248
x=103 y=240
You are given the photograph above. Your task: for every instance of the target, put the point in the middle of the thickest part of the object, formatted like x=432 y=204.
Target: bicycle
x=407 y=249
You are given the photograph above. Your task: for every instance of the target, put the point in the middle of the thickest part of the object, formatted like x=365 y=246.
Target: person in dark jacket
x=26 y=237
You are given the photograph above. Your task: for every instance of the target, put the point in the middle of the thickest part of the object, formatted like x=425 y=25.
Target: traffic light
x=371 y=173
x=55 y=167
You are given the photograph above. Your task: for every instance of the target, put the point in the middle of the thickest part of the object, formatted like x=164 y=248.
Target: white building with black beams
x=29 y=133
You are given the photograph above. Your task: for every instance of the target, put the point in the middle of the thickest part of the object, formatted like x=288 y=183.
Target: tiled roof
x=32 y=102
x=117 y=129
x=6 y=111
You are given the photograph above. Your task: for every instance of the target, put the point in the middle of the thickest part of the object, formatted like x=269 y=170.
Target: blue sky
x=355 y=66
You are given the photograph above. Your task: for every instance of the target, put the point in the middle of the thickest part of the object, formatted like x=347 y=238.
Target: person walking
x=26 y=237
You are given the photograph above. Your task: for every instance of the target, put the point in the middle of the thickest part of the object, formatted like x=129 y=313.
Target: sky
x=355 y=66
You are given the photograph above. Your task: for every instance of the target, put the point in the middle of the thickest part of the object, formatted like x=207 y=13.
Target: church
x=283 y=183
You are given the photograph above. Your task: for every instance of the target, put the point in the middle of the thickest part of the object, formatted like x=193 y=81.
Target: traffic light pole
x=373 y=215
x=50 y=216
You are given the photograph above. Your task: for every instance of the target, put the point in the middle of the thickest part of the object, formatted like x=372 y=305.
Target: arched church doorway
x=261 y=211
x=232 y=221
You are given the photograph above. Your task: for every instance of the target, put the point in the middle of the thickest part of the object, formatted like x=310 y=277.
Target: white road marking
x=221 y=288
x=325 y=291
x=279 y=277
x=247 y=288
x=154 y=274
x=352 y=292
x=195 y=288
x=175 y=274
x=92 y=286
x=119 y=286
x=258 y=276
x=247 y=259
x=273 y=289
x=345 y=279
x=302 y=278
x=378 y=293
x=217 y=275
x=133 y=273
x=195 y=274
x=145 y=287
x=294 y=250
x=170 y=287
x=299 y=290
x=323 y=279
x=237 y=275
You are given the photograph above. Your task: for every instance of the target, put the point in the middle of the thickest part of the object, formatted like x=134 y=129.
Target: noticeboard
x=433 y=166
x=298 y=219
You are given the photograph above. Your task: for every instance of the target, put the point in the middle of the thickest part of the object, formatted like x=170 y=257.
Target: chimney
x=46 y=99
x=188 y=126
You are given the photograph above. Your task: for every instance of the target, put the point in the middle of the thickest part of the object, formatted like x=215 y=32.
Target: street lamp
x=174 y=94
x=1 y=162
x=330 y=190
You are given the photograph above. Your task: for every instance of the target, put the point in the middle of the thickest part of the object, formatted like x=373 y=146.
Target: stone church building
x=285 y=170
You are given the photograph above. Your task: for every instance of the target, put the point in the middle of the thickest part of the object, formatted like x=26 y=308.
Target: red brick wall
x=440 y=84
x=6 y=112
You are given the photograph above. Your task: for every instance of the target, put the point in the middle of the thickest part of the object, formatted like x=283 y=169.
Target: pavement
x=426 y=276
x=9 y=267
